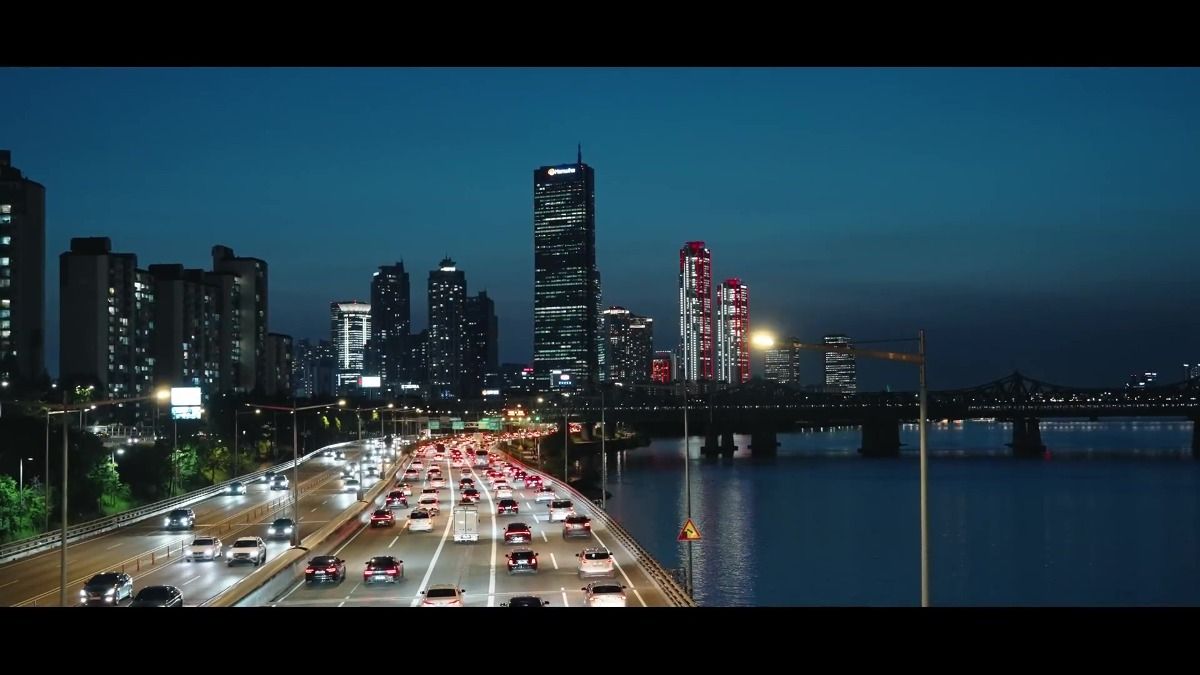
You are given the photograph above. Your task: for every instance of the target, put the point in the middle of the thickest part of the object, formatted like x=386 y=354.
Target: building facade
x=391 y=322
x=662 y=367
x=446 y=348
x=313 y=370
x=350 y=326
x=781 y=364
x=840 y=375
x=566 y=282
x=733 y=331
x=280 y=361
x=482 y=333
x=22 y=275
x=186 y=339
x=695 y=312
x=243 y=319
x=628 y=345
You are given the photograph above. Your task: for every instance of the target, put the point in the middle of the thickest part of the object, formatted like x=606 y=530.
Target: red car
x=383 y=518
x=533 y=482
x=517 y=533
x=396 y=498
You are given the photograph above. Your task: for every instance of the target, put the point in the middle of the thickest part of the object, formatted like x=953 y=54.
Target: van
x=560 y=509
x=466 y=523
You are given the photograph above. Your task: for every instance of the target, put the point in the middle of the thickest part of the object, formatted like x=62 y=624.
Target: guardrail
x=27 y=547
x=657 y=574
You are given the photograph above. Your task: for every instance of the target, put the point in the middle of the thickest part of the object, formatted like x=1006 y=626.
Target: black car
x=107 y=589
x=522 y=560
x=158 y=596
x=325 y=568
x=180 y=519
x=506 y=506
x=526 y=601
x=383 y=568
x=281 y=529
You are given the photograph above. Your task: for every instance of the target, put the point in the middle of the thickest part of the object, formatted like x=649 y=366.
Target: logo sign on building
x=370 y=382
x=558 y=171
x=185 y=396
x=491 y=392
x=410 y=386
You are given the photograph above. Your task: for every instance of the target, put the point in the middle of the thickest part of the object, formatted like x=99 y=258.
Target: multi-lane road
x=151 y=554
x=480 y=568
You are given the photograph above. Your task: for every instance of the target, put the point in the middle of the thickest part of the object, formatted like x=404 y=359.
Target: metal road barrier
x=27 y=547
x=657 y=574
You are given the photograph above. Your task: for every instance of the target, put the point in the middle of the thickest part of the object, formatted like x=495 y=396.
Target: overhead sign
x=457 y=425
x=434 y=424
x=689 y=532
x=185 y=396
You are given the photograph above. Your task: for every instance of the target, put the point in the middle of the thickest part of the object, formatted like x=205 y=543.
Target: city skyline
x=997 y=221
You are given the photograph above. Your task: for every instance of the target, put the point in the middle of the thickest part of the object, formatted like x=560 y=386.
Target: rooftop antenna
x=579 y=156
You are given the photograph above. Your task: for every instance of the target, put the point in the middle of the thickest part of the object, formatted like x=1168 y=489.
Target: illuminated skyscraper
x=733 y=328
x=22 y=274
x=446 y=346
x=628 y=345
x=390 y=322
x=840 y=368
x=662 y=367
x=566 y=283
x=351 y=326
x=695 y=311
x=243 y=320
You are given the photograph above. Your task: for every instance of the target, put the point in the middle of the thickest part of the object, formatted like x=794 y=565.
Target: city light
x=763 y=340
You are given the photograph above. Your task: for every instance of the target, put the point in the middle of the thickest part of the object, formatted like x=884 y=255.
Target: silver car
x=204 y=548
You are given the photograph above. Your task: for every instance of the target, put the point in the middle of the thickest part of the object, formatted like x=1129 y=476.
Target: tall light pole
x=687 y=441
x=237 y=439
x=603 y=457
x=766 y=340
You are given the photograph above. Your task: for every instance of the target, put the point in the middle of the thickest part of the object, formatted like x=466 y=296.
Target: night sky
x=1040 y=219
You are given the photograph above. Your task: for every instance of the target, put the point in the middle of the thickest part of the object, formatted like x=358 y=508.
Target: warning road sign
x=689 y=532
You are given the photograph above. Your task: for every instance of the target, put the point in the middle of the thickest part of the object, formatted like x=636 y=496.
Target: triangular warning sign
x=689 y=532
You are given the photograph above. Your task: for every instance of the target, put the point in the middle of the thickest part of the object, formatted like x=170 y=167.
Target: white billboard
x=186 y=412
x=185 y=396
x=370 y=382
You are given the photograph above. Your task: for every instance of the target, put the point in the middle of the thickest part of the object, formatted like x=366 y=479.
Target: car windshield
x=560 y=504
x=526 y=602
x=382 y=512
x=245 y=543
x=382 y=562
x=323 y=560
x=606 y=589
x=442 y=592
x=522 y=555
x=283 y=522
x=352 y=481
x=576 y=520
x=596 y=555
x=179 y=513
x=105 y=579
x=518 y=527
x=202 y=542
x=154 y=593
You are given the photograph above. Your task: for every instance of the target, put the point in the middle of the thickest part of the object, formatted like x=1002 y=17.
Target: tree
x=105 y=474
x=214 y=456
x=21 y=511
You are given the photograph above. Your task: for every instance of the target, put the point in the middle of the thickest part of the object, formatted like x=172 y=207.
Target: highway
x=141 y=550
x=479 y=568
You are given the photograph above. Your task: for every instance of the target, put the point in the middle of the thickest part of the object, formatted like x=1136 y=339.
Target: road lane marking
x=315 y=508
x=529 y=506
x=9 y=583
x=341 y=603
x=190 y=580
x=554 y=560
x=492 y=572
x=115 y=546
x=394 y=540
x=544 y=537
x=566 y=603
x=536 y=519
x=433 y=562
x=639 y=597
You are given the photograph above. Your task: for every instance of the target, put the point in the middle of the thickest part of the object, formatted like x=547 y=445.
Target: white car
x=420 y=520
x=545 y=495
x=438 y=482
x=443 y=595
x=350 y=485
x=504 y=492
x=417 y=465
x=429 y=503
x=604 y=595
x=560 y=509
x=596 y=562
x=247 y=549
x=203 y=548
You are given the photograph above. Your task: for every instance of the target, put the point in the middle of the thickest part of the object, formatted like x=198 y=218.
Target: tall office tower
x=314 y=366
x=695 y=312
x=391 y=321
x=733 y=330
x=662 y=367
x=416 y=358
x=782 y=364
x=1142 y=380
x=566 y=283
x=481 y=334
x=446 y=347
x=22 y=275
x=106 y=312
x=350 y=324
x=1191 y=370
x=629 y=345
x=247 y=322
x=279 y=359
x=186 y=343
x=840 y=368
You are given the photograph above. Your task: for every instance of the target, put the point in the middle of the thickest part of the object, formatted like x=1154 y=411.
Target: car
x=372 y=471
x=420 y=520
x=236 y=488
x=519 y=474
x=522 y=560
x=577 y=526
x=247 y=549
x=350 y=469
x=416 y=465
x=180 y=519
x=429 y=503
x=106 y=589
x=507 y=507
x=383 y=518
x=470 y=495
x=395 y=498
x=158 y=596
x=437 y=482
x=383 y=568
x=340 y=454
x=545 y=495
x=280 y=482
x=465 y=482
x=404 y=488
x=432 y=473
x=325 y=568
x=526 y=601
x=604 y=595
x=429 y=491
x=504 y=492
x=443 y=595
x=560 y=509
x=350 y=485
x=517 y=533
x=269 y=476
x=412 y=474
x=456 y=462
x=596 y=562
x=203 y=548
x=282 y=528
x=533 y=482
x=328 y=452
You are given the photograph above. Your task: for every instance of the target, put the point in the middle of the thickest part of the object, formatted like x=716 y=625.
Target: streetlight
x=766 y=340
x=236 y=440
x=21 y=483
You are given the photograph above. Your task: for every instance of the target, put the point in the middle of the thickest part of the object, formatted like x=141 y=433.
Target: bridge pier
x=880 y=438
x=763 y=443
x=1027 y=438
x=718 y=445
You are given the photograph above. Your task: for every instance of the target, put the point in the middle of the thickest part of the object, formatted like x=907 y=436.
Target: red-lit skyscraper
x=733 y=326
x=695 y=312
x=661 y=368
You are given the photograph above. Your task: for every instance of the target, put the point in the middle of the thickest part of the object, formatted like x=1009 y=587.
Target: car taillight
x=393 y=571
x=327 y=569
x=308 y=570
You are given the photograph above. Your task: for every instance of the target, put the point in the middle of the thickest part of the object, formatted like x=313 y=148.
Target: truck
x=466 y=523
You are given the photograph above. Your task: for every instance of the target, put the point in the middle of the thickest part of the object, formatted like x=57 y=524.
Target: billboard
x=185 y=396
x=186 y=412
x=370 y=382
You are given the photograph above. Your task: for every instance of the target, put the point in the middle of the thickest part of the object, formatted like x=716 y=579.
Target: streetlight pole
x=566 y=438
x=603 y=457
x=924 y=478
x=46 y=520
x=62 y=574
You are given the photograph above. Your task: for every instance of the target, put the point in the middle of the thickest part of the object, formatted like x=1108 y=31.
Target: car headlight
x=270 y=530
x=287 y=530
x=82 y=593
x=166 y=521
x=110 y=591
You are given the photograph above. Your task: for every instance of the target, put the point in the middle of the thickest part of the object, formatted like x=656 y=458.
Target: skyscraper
x=244 y=326
x=733 y=329
x=446 y=347
x=350 y=324
x=391 y=321
x=481 y=333
x=840 y=368
x=22 y=274
x=781 y=364
x=106 y=311
x=313 y=369
x=186 y=342
x=695 y=312
x=629 y=345
x=279 y=359
x=661 y=367
x=1191 y=370
x=566 y=283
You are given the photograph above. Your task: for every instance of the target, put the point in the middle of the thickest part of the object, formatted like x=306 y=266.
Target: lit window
x=5 y=219
x=5 y=208
x=5 y=262
x=5 y=241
